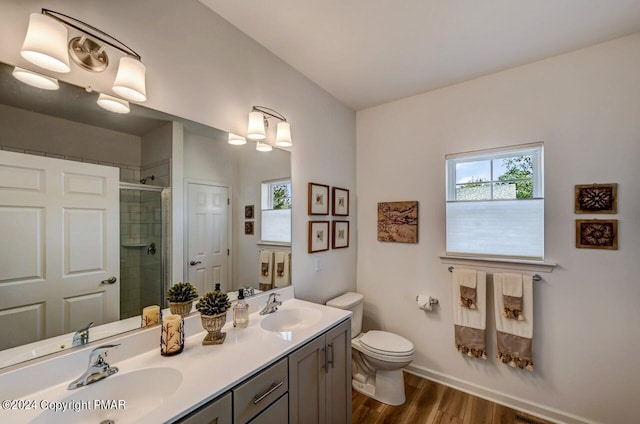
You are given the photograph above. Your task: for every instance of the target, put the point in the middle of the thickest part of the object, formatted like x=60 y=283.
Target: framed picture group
x=596 y=199
x=324 y=235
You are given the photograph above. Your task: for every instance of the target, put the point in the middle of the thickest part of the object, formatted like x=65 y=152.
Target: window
x=495 y=203
x=276 y=211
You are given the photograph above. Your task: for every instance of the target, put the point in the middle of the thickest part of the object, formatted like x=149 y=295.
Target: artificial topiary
x=213 y=303
x=182 y=292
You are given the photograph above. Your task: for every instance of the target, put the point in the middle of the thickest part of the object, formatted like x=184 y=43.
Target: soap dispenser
x=241 y=311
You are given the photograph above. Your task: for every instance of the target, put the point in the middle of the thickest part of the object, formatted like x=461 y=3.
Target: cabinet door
x=338 y=347
x=307 y=389
x=215 y=412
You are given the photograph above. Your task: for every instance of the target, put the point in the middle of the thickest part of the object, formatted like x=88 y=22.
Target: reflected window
x=276 y=211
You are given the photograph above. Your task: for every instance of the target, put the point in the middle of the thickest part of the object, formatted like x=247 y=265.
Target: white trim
x=498 y=263
x=496 y=150
x=533 y=408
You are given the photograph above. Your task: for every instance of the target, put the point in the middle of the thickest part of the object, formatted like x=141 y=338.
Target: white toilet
x=377 y=356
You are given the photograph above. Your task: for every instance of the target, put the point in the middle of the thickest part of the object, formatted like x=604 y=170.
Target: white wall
x=201 y=68
x=585 y=106
x=38 y=133
x=254 y=168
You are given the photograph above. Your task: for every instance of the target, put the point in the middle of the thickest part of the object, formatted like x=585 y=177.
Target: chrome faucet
x=272 y=304
x=81 y=337
x=98 y=367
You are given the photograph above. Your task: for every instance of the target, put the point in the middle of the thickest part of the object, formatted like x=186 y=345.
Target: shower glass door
x=141 y=248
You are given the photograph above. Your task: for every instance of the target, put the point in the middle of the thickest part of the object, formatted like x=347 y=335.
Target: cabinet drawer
x=215 y=412
x=278 y=413
x=260 y=391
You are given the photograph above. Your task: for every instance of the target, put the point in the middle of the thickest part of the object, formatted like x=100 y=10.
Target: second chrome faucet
x=98 y=367
x=272 y=304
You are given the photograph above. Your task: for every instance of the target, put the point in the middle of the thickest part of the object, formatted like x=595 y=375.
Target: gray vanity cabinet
x=320 y=379
x=311 y=385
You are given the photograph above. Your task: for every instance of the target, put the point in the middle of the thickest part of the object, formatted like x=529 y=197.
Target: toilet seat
x=386 y=344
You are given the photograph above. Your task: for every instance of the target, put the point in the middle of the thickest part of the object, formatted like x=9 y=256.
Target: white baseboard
x=535 y=409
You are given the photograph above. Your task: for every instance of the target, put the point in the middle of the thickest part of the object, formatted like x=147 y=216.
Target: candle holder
x=172 y=337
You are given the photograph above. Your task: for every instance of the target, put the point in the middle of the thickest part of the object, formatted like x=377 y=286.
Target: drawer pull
x=273 y=388
x=330 y=361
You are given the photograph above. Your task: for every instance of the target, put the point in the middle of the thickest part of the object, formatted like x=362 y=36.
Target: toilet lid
x=386 y=343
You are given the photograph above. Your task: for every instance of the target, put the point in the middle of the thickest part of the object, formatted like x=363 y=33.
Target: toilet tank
x=353 y=302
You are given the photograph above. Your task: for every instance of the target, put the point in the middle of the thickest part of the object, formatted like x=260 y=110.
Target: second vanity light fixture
x=46 y=45
x=258 y=124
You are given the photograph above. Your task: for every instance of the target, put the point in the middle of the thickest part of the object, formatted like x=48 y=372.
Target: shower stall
x=143 y=225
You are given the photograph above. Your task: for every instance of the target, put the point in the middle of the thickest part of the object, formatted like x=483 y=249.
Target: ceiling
x=369 y=52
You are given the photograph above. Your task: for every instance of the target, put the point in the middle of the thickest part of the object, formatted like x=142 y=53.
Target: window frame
x=267 y=190
x=536 y=150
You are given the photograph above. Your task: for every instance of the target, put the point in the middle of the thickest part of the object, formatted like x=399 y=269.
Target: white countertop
x=206 y=371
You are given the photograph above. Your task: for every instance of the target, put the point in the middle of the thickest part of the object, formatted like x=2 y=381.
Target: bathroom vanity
x=290 y=366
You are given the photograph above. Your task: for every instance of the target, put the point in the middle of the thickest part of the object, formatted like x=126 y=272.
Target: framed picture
x=318 y=236
x=597 y=234
x=249 y=212
x=248 y=228
x=340 y=204
x=340 y=235
x=398 y=221
x=318 y=199
x=596 y=198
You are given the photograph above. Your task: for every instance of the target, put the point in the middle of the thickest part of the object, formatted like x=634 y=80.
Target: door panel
x=62 y=220
x=24 y=260
x=78 y=310
x=338 y=341
x=307 y=384
x=207 y=236
x=84 y=241
x=28 y=318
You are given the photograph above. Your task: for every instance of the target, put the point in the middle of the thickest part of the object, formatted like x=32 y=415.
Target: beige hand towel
x=470 y=324
x=266 y=270
x=466 y=279
x=512 y=296
x=515 y=338
x=281 y=275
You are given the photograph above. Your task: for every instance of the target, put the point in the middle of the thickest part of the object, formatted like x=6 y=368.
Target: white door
x=59 y=226
x=207 y=236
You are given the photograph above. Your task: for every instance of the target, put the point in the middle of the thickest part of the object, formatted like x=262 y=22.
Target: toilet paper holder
x=426 y=302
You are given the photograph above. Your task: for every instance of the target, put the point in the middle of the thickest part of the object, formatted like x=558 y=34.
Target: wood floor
x=431 y=403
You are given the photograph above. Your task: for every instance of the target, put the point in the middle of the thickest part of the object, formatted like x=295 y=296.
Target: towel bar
x=534 y=277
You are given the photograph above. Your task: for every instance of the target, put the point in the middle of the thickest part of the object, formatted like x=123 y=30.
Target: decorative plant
x=182 y=292
x=213 y=303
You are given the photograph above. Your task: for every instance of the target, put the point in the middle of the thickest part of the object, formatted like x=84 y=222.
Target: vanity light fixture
x=263 y=147
x=236 y=140
x=113 y=104
x=258 y=124
x=35 y=79
x=46 y=45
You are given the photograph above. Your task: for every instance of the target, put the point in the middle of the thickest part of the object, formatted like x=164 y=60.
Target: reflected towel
x=514 y=337
x=470 y=324
x=282 y=269
x=266 y=268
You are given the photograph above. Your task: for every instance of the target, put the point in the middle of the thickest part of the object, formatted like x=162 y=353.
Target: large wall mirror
x=86 y=204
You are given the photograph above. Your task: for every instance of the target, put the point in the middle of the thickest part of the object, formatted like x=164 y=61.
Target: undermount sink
x=289 y=320
x=123 y=397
